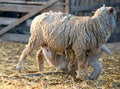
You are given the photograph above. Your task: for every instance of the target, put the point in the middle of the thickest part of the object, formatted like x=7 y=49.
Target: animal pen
x=15 y=20
x=16 y=15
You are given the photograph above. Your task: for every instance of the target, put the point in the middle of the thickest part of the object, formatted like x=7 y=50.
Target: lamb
x=71 y=36
x=60 y=62
x=56 y=60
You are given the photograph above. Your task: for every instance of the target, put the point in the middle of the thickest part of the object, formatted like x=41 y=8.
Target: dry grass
x=10 y=79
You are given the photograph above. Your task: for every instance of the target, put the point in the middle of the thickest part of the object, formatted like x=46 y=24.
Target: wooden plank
x=30 y=14
x=23 y=2
x=18 y=8
x=77 y=4
x=81 y=4
x=59 y=6
x=67 y=6
x=87 y=2
x=72 y=4
x=91 y=8
x=7 y=21
x=15 y=37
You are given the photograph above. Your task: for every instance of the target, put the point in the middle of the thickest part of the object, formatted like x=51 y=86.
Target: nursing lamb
x=61 y=62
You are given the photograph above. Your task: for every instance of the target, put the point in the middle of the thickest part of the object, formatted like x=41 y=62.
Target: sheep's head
x=106 y=17
x=107 y=13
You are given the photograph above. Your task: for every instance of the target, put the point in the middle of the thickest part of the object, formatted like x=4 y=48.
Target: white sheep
x=71 y=36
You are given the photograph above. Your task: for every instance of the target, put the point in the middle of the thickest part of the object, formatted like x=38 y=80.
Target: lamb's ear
x=103 y=5
x=111 y=10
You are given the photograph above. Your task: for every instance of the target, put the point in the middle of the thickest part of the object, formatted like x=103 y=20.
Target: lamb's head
x=108 y=13
x=47 y=52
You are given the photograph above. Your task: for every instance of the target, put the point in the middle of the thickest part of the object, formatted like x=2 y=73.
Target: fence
x=22 y=12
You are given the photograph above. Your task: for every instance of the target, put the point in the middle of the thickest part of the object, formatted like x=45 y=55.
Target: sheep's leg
x=39 y=59
x=86 y=73
x=79 y=57
x=86 y=70
x=79 y=69
x=71 y=57
x=24 y=54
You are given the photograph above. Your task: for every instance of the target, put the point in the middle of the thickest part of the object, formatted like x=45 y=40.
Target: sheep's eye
x=47 y=50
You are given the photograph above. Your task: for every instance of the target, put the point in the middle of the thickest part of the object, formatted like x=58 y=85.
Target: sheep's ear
x=103 y=5
x=111 y=10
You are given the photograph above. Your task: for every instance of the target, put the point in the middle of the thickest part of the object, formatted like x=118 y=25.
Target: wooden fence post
x=67 y=6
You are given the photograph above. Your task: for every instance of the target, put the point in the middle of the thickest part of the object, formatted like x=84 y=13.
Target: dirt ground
x=10 y=79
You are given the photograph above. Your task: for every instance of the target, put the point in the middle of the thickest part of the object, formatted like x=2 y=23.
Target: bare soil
x=11 y=79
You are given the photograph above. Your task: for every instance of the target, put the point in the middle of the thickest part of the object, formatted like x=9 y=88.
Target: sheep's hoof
x=78 y=74
x=77 y=77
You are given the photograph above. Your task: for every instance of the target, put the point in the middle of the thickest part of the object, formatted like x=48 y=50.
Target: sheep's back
x=60 y=30
x=55 y=32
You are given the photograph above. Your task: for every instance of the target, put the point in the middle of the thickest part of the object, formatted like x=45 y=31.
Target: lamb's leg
x=39 y=59
x=24 y=54
x=61 y=66
x=94 y=62
x=106 y=50
x=97 y=69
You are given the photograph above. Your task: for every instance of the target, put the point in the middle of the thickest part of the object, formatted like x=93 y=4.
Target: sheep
x=60 y=62
x=70 y=35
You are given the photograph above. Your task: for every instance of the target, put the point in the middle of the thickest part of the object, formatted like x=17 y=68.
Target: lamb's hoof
x=19 y=70
x=92 y=78
x=86 y=78
x=56 y=71
x=77 y=79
